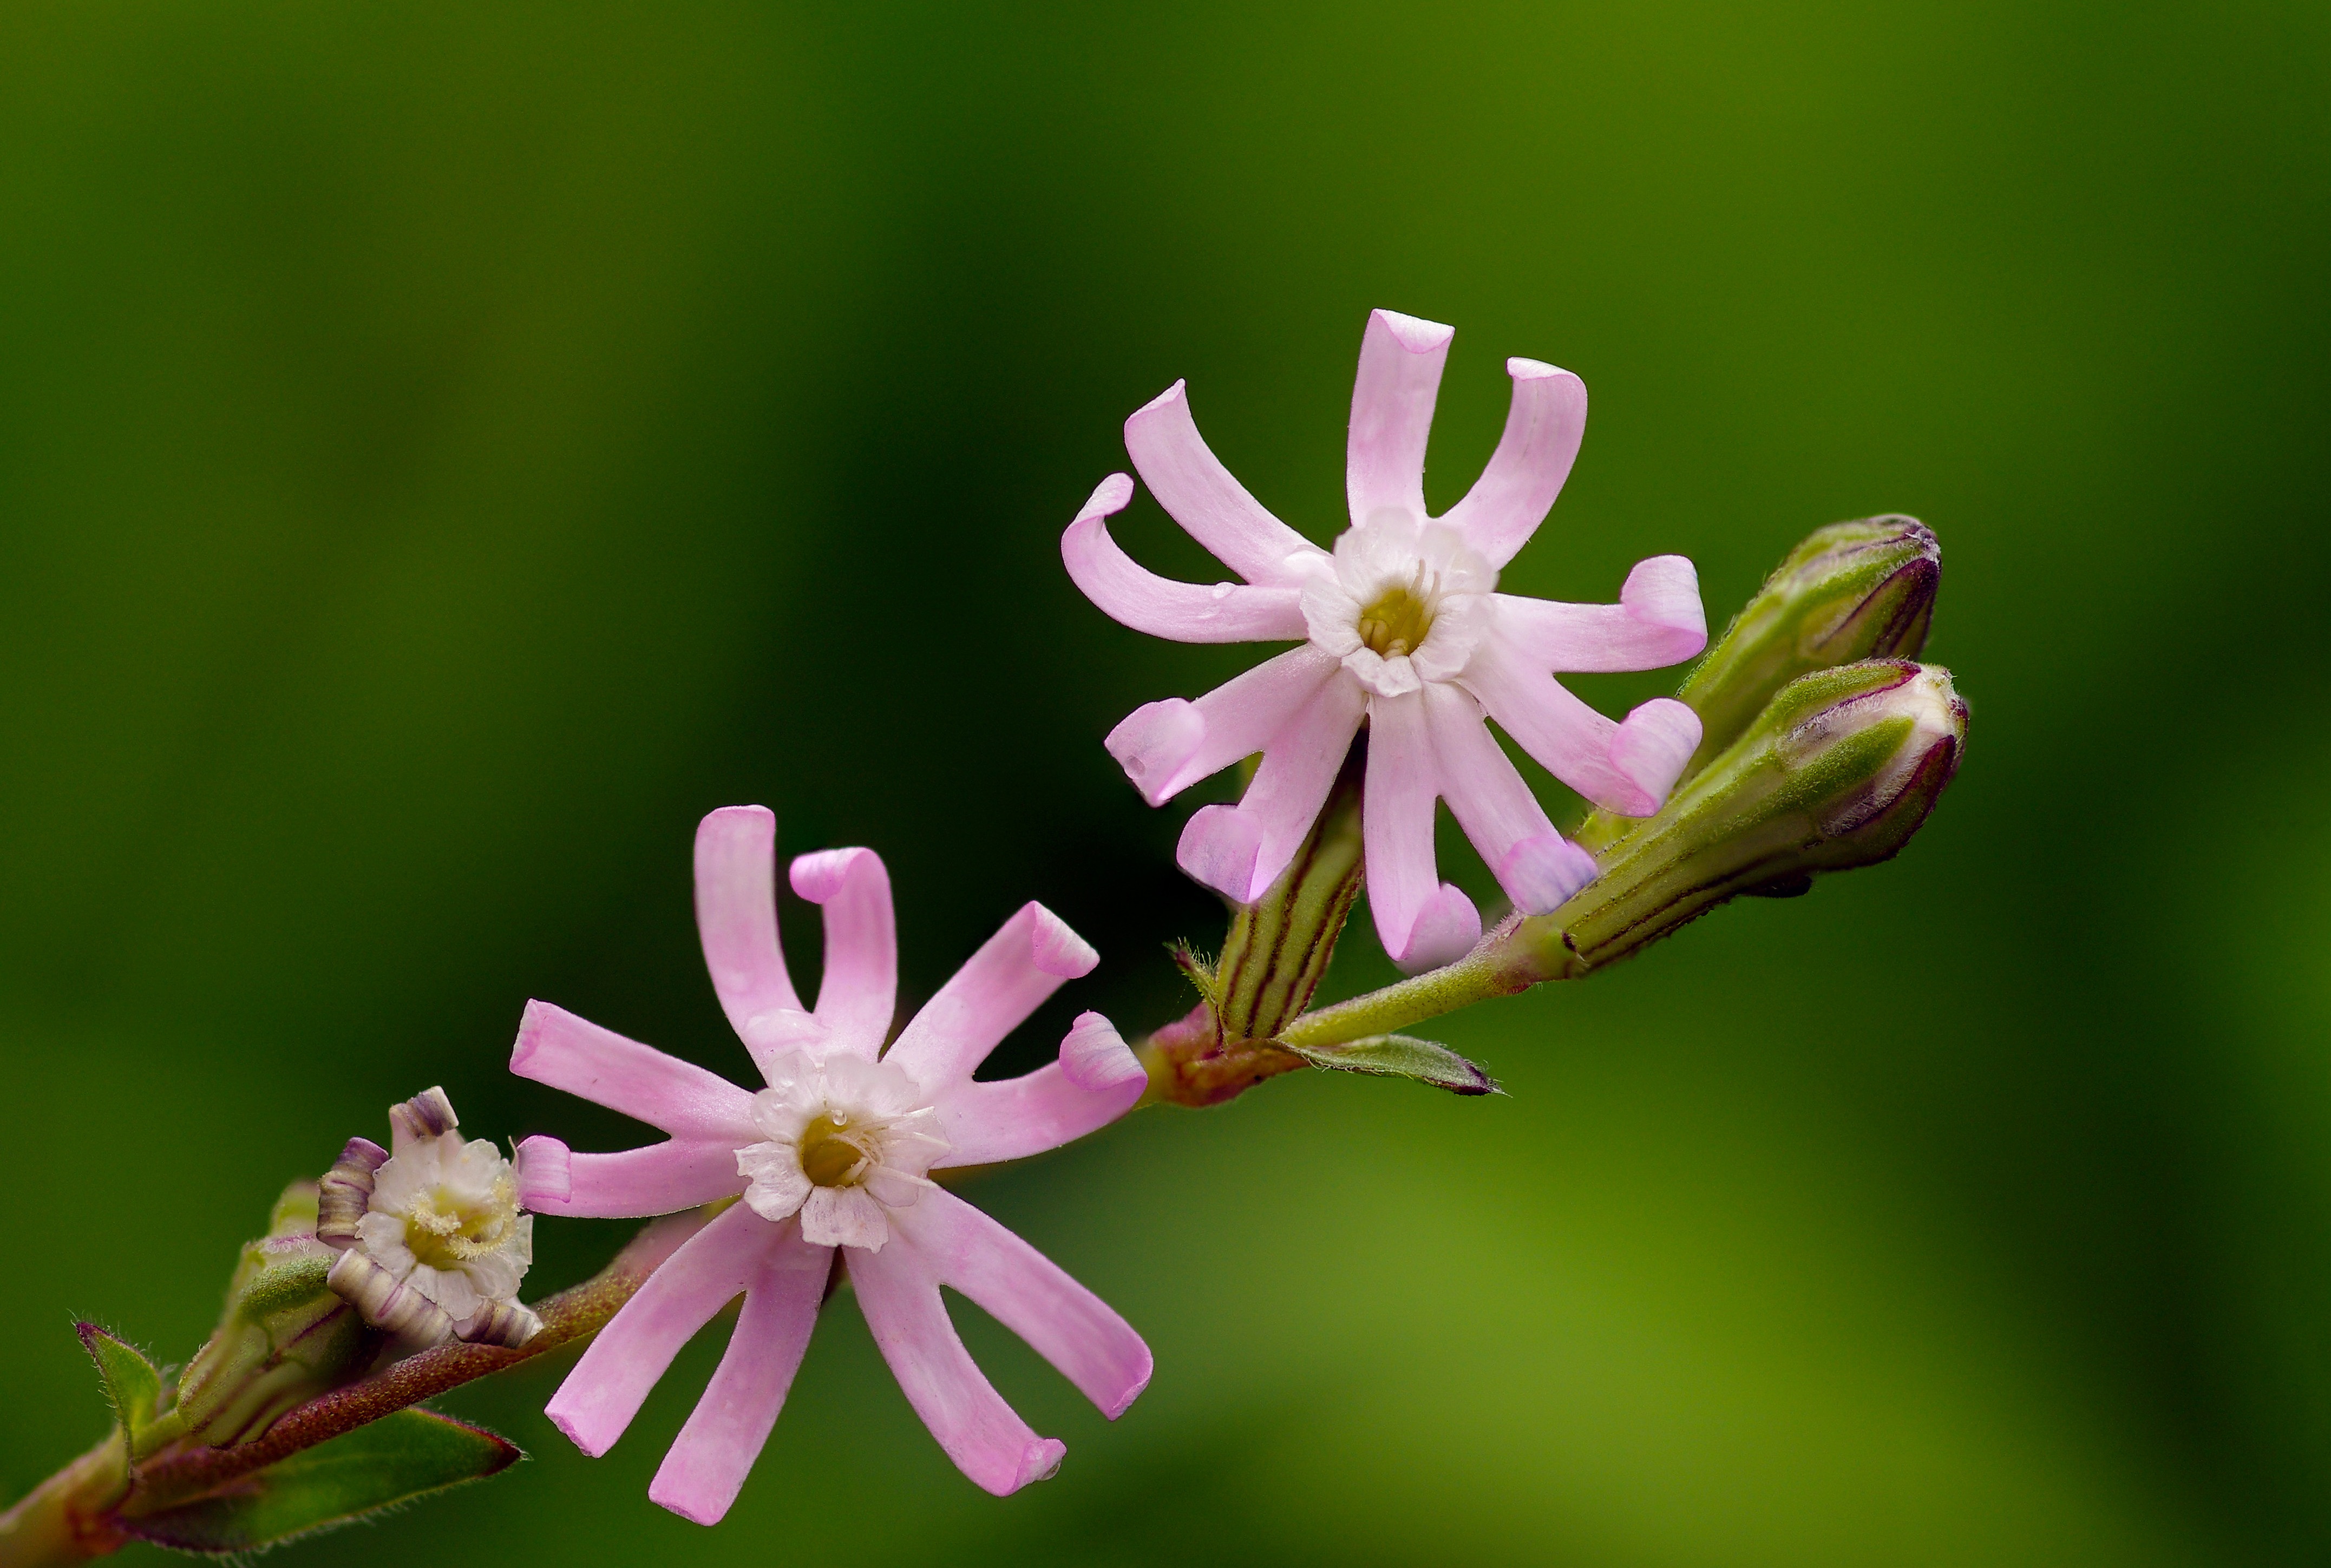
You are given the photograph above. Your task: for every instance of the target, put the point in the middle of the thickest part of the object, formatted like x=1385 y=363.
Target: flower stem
x=69 y=1517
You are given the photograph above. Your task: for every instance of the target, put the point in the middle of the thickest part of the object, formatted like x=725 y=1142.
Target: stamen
x=1401 y=618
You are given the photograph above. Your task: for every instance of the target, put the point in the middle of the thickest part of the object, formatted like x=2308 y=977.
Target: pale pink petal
x=845 y=1217
x=1653 y=744
x=1396 y=817
x=700 y=1476
x=1504 y=821
x=660 y=1179
x=737 y=918
x=1011 y=1119
x=1401 y=359
x=566 y=1052
x=990 y=996
x=1446 y=929
x=1132 y=595
x=1095 y=1056
x=1657 y=621
x=623 y=1361
x=1198 y=493
x=1019 y=1287
x=1167 y=747
x=1543 y=425
x=859 y=989
x=1570 y=739
x=1543 y=873
x=1300 y=766
x=899 y=1296
x=1218 y=850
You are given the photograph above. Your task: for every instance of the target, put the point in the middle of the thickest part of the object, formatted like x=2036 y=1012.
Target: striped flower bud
x=1847 y=593
x=1840 y=771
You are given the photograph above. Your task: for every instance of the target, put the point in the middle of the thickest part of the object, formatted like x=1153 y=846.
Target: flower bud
x=1840 y=771
x=1847 y=593
x=284 y=1337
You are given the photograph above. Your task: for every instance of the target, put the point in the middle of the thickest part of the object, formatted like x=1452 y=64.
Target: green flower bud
x=1849 y=592
x=284 y=1338
x=1839 y=771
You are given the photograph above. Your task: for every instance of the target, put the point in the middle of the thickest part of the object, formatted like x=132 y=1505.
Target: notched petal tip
x=1056 y=949
x=1042 y=1462
x=1095 y=1058
x=820 y=874
x=1664 y=592
x=1124 y=1401
x=1219 y=848
x=1652 y=747
x=544 y=1168
x=1111 y=496
x=1154 y=742
x=1543 y=873
x=1522 y=369
x=1414 y=333
x=1177 y=393
x=1446 y=929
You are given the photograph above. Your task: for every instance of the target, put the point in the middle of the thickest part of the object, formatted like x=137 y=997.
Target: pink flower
x=835 y=1153
x=1401 y=628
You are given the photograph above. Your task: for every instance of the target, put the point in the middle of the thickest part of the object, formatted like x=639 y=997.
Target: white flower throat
x=847 y=1140
x=1401 y=602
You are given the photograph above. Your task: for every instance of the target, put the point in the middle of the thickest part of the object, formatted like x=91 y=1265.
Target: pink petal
x=1019 y=1287
x=623 y=1361
x=566 y=1052
x=1154 y=742
x=1391 y=413
x=707 y=1464
x=1298 y=768
x=1570 y=739
x=1135 y=596
x=859 y=990
x=990 y=996
x=737 y=918
x=1543 y=873
x=1218 y=849
x=1167 y=747
x=1657 y=621
x=1396 y=817
x=1543 y=425
x=1095 y=1056
x=1446 y=929
x=899 y=1296
x=1653 y=744
x=658 y=1179
x=1198 y=493
x=1487 y=795
x=1015 y=1117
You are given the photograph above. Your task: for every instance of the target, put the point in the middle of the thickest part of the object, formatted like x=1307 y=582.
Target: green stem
x=1519 y=954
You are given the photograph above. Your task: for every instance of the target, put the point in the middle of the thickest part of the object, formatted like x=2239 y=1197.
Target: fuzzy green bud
x=285 y=1336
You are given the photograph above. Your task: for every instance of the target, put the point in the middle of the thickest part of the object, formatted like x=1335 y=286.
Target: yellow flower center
x=446 y=1231
x=830 y=1152
x=1399 y=620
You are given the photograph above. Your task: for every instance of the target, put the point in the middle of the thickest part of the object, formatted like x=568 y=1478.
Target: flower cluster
x=1809 y=741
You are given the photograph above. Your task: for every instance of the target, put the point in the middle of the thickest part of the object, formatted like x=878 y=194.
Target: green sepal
x=1278 y=948
x=1400 y=1055
x=133 y=1384
x=400 y=1457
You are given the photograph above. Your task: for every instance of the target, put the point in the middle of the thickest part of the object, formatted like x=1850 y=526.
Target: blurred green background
x=445 y=449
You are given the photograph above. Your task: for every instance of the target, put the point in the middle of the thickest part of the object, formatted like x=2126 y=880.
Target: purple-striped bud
x=1840 y=771
x=345 y=1192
